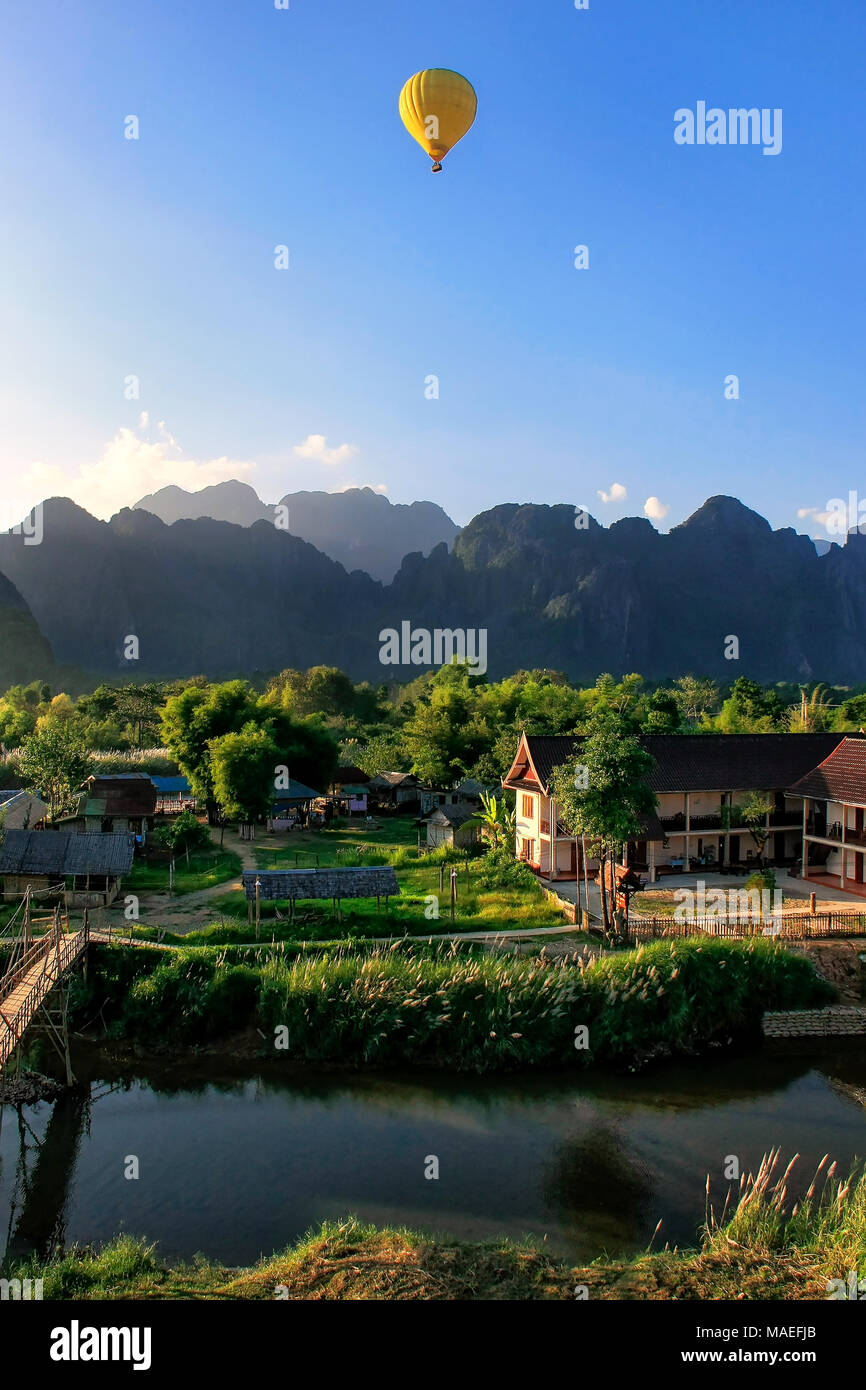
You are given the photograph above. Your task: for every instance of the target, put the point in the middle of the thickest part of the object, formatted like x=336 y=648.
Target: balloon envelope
x=437 y=108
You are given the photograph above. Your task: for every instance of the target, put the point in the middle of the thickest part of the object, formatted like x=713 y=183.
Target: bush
x=499 y=869
x=444 y=1007
x=763 y=879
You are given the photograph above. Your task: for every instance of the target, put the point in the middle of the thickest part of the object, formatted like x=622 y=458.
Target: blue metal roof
x=171 y=784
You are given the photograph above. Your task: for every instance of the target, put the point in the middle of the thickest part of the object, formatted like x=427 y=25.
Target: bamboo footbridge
x=36 y=966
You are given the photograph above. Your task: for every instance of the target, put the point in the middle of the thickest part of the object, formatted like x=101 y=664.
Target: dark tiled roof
x=282 y=885
x=734 y=762
x=840 y=777
x=709 y=762
x=549 y=752
x=350 y=776
x=455 y=815
x=64 y=852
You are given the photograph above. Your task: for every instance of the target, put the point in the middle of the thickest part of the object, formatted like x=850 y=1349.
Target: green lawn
x=414 y=911
x=205 y=870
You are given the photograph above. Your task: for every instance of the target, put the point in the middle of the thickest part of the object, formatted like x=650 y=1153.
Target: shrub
x=499 y=869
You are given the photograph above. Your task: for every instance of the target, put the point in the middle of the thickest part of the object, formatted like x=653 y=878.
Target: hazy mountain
x=229 y=501
x=24 y=653
x=198 y=595
x=359 y=528
x=210 y=596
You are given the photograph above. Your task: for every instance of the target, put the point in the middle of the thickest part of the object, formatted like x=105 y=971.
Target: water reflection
x=238 y=1161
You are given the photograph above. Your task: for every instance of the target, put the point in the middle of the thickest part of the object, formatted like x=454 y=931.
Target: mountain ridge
x=223 y=599
x=359 y=528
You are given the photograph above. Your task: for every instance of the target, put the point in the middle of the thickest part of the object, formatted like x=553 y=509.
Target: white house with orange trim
x=697 y=779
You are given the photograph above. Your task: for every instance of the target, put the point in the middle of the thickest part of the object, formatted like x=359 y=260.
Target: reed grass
x=442 y=1006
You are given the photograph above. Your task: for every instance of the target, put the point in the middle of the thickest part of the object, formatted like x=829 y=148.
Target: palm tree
x=496 y=820
x=811 y=715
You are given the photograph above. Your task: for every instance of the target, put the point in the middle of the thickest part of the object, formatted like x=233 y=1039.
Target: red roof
x=841 y=777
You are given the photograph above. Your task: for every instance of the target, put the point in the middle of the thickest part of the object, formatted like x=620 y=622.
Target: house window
x=527 y=810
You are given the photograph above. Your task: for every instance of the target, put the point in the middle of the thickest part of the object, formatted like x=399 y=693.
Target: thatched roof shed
x=286 y=885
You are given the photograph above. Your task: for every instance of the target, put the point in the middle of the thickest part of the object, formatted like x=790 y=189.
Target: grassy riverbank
x=446 y=1007
x=763 y=1246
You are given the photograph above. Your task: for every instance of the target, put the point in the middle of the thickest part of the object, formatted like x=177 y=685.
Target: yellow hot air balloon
x=437 y=107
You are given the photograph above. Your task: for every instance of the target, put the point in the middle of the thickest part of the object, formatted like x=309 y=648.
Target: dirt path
x=186 y=912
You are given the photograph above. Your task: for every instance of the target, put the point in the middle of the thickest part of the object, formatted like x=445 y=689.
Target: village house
x=21 y=810
x=449 y=825
x=350 y=788
x=395 y=791
x=833 y=813
x=119 y=804
x=83 y=870
x=173 y=795
x=468 y=791
x=699 y=781
x=295 y=798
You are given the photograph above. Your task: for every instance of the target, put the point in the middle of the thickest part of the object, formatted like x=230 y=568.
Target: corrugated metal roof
x=125 y=796
x=64 y=852
x=285 y=885
x=167 y=785
x=295 y=791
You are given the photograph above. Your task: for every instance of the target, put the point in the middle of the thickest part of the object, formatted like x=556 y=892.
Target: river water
x=236 y=1162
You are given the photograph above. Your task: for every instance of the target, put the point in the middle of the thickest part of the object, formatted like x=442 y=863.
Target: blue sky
x=260 y=127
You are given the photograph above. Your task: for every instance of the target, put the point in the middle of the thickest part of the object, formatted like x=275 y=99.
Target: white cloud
x=654 y=509
x=315 y=446
x=374 y=487
x=130 y=467
x=617 y=493
x=815 y=514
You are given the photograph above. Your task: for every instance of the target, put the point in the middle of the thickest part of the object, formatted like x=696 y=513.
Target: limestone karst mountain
x=215 y=597
x=358 y=527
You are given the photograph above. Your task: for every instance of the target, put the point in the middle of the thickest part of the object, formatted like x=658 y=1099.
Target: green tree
x=183 y=833
x=696 y=697
x=750 y=709
x=661 y=714
x=448 y=730
x=383 y=753
x=604 y=795
x=54 y=763
x=195 y=717
x=243 y=770
x=752 y=815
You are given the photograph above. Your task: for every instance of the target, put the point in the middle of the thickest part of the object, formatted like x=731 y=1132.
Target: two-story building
x=123 y=803
x=834 y=818
x=699 y=781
